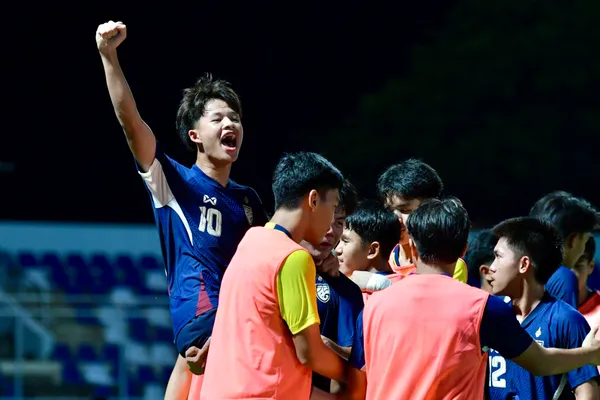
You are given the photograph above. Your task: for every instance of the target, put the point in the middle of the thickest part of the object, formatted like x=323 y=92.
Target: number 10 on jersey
x=210 y=221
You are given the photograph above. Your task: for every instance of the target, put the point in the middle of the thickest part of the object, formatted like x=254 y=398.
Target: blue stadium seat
x=134 y=389
x=138 y=330
x=62 y=352
x=110 y=353
x=71 y=374
x=86 y=352
x=51 y=260
x=163 y=335
x=103 y=391
x=27 y=260
x=150 y=263
x=165 y=374
x=146 y=374
x=7 y=387
x=76 y=261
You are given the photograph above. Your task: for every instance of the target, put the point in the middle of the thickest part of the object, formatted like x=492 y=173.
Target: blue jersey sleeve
x=351 y=304
x=574 y=328
x=563 y=285
x=357 y=355
x=501 y=331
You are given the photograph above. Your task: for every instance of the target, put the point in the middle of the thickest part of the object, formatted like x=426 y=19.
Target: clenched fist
x=109 y=36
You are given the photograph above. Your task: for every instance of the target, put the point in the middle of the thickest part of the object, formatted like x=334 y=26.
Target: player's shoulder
x=564 y=311
x=298 y=258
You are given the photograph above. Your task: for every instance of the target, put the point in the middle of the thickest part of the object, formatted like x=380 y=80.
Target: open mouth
x=229 y=141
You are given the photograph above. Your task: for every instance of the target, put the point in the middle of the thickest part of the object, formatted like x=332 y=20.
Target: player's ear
x=313 y=199
x=374 y=250
x=194 y=136
x=570 y=241
x=525 y=264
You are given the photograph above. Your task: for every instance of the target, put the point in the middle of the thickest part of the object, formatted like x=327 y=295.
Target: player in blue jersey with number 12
x=200 y=213
x=528 y=252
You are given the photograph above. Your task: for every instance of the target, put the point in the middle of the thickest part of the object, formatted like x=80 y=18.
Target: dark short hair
x=480 y=252
x=297 y=174
x=373 y=223
x=535 y=238
x=411 y=179
x=440 y=230
x=348 y=197
x=568 y=214
x=194 y=101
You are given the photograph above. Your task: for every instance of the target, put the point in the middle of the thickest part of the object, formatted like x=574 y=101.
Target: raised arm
x=140 y=138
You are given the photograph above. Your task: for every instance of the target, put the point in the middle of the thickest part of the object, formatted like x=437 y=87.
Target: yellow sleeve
x=297 y=291
x=460 y=271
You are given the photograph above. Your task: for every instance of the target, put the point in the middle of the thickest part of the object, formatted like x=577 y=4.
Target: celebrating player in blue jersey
x=528 y=252
x=200 y=213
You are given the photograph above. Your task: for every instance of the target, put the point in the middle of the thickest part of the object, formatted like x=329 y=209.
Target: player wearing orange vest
x=266 y=340
x=435 y=345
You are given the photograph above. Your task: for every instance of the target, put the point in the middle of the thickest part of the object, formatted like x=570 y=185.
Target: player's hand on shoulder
x=110 y=35
x=330 y=266
x=593 y=343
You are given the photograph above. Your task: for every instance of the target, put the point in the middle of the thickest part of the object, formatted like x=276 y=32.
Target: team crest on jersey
x=323 y=293
x=249 y=214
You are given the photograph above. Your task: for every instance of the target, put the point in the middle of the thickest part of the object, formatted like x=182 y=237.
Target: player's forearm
x=587 y=391
x=180 y=380
x=140 y=138
x=326 y=362
x=560 y=361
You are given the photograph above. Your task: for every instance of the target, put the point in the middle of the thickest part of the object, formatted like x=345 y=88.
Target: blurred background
x=502 y=98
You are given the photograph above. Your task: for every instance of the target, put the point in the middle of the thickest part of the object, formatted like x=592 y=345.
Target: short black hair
x=590 y=249
x=569 y=214
x=297 y=174
x=480 y=251
x=194 y=101
x=411 y=179
x=439 y=229
x=348 y=197
x=535 y=238
x=373 y=223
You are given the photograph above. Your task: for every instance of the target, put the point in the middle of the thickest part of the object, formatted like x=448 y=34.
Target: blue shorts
x=196 y=332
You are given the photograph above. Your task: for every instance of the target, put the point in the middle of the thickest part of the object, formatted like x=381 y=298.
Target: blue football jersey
x=339 y=301
x=200 y=224
x=553 y=323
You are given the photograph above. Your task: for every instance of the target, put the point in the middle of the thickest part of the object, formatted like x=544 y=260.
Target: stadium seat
x=138 y=330
x=75 y=261
x=7 y=387
x=103 y=391
x=27 y=260
x=150 y=263
x=62 y=352
x=71 y=374
x=146 y=374
x=110 y=353
x=162 y=334
x=86 y=352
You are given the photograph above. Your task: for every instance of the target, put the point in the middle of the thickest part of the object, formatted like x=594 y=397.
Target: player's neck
x=380 y=266
x=438 y=269
x=530 y=297
x=218 y=173
x=292 y=221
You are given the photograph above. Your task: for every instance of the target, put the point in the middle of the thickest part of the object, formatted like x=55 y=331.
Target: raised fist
x=110 y=35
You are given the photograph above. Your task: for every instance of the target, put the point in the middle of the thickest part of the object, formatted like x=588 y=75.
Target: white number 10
x=210 y=221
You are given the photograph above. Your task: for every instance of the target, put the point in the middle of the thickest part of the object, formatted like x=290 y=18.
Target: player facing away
x=403 y=187
x=200 y=213
x=528 y=252
x=339 y=300
x=368 y=239
x=575 y=219
x=434 y=345
x=266 y=341
x=479 y=257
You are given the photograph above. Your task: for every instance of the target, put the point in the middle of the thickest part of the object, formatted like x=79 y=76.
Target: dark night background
x=500 y=97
